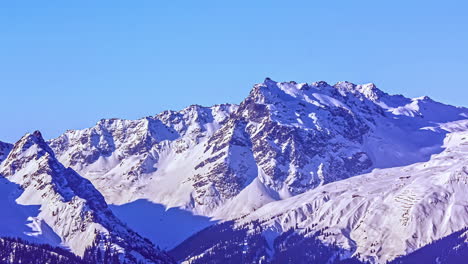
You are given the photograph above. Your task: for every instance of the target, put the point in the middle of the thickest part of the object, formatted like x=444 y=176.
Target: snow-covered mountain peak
x=32 y=164
x=424 y=98
x=31 y=146
x=32 y=139
x=345 y=87
x=320 y=84
x=71 y=211
x=271 y=91
x=369 y=90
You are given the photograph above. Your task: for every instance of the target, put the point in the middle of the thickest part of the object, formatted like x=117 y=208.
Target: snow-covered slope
x=374 y=217
x=45 y=202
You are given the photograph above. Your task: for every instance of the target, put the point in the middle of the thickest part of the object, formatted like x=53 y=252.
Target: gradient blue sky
x=67 y=64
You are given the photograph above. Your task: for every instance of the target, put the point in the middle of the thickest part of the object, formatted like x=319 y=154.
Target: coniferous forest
x=15 y=250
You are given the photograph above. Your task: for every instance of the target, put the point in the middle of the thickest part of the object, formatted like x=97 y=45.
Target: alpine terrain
x=295 y=173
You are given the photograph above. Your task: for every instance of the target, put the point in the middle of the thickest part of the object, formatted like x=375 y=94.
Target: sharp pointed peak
x=268 y=82
x=30 y=139
x=424 y=98
x=34 y=137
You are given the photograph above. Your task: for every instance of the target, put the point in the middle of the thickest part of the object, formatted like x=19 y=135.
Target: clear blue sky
x=67 y=64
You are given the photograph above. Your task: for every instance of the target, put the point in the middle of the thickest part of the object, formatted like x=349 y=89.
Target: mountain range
x=295 y=173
